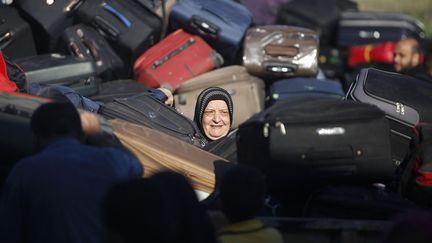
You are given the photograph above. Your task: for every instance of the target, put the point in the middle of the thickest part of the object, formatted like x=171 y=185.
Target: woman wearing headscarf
x=214 y=113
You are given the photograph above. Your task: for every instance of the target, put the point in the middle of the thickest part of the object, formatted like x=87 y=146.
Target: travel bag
x=372 y=53
x=108 y=91
x=404 y=99
x=175 y=59
x=221 y=23
x=247 y=92
x=281 y=51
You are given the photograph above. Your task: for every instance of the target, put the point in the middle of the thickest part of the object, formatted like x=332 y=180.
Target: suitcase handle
x=93 y=51
x=173 y=53
x=204 y=27
x=117 y=14
x=72 y=6
x=279 y=67
x=75 y=50
x=5 y=38
x=106 y=28
x=278 y=50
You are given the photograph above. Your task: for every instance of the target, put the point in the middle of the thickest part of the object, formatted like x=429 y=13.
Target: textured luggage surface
x=16 y=38
x=167 y=153
x=108 y=91
x=175 y=59
x=367 y=27
x=222 y=23
x=405 y=100
x=281 y=51
x=85 y=42
x=247 y=92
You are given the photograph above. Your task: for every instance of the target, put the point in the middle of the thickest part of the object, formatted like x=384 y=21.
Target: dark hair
x=242 y=193
x=56 y=119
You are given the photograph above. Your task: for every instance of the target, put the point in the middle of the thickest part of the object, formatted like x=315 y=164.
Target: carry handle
x=105 y=27
x=204 y=27
x=280 y=50
x=93 y=51
x=117 y=14
x=282 y=68
x=75 y=50
x=173 y=53
x=5 y=38
x=72 y=6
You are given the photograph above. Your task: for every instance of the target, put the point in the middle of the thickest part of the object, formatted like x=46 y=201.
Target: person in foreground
x=214 y=113
x=242 y=195
x=56 y=194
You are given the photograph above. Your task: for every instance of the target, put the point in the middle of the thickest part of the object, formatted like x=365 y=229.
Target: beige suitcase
x=158 y=151
x=247 y=92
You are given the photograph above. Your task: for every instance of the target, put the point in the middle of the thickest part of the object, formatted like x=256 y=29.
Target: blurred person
x=410 y=226
x=407 y=59
x=56 y=194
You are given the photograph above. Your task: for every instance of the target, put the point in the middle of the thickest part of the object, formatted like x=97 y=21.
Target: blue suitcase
x=222 y=23
x=297 y=86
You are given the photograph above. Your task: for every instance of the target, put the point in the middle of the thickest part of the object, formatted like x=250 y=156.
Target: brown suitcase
x=167 y=153
x=281 y=51
x=247 y=92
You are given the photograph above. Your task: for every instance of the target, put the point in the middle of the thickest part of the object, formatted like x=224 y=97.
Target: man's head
x=406 y=54
x=54 y=120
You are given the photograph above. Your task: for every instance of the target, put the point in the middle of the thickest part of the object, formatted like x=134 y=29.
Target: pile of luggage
x=334 y=135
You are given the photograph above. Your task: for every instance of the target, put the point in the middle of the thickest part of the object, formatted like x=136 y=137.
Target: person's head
x=406 y=54
x=242 y=193
x=214 y=112
x=54 y=120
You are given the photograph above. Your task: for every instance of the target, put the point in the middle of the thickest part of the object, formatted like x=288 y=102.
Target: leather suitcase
x=314 y=141
x=76 y=73
x=368 y=27
x=405 y=100
x=84 y=41
x=222 y=23
x=175 y=59
x=108 y=91
x=16 y=37
x=281 y=51
x=247 y=92
x=128 y=26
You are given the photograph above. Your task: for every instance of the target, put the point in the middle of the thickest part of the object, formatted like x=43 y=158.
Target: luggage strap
x=173 y=53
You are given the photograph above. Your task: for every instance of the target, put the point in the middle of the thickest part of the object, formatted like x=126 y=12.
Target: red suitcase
x=366 y=54
x=175 y=59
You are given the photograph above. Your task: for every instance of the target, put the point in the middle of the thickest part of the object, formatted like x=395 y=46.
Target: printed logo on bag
x=329 y=131
x=400 y=109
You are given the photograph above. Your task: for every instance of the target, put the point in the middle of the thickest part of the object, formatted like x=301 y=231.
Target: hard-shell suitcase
x=175 y=59
x=298 y=86
x=129 y=27
x=314 y=141
x=76 y=73
x=83 y=41
x=281 y=51
x=368 y=27
x=222 y=23
x=108 y=91
x=247 y=92
x=146 y=110
x=372 y=53
x=405 y=100
x=16 y=37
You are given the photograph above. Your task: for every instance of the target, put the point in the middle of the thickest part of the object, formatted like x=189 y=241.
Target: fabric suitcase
x=298 y=86
x=225 y=147
x=129 y=27
x=16 y=37
x=76 y=73
x=372 y=53
x=368 y=27
x=146 y=110
x=281 y=51
x=222 y=23
x=162 y=8
x=247 y=92
x=84 y=41
x=405 y=100
x=264 y=11
x=311 y=142
x=108 y=91
x=175 y=59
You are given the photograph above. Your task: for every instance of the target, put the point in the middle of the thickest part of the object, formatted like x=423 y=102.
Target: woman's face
x=216 y=119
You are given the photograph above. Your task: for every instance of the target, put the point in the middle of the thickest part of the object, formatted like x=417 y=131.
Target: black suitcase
x=149 y=111
x=368 y=27
x=16 y=37
x=405 y=100
x=83 y=41
x=311 y=141
x=225 y=147
x=108 y=91
x=129 y=27
x=77 y=73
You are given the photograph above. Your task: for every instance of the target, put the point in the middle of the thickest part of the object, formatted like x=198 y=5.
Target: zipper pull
x=266 y=130
x=282 y=127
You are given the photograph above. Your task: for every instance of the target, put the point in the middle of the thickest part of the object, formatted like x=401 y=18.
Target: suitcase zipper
x=164 y=59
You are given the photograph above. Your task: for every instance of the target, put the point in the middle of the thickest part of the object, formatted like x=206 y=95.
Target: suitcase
x=128 y=26
x=16 y=37
x=405 y=100
x=360 y=28
x=298 y=86
x=314 y=141
x=225 y=147
x=264 y=11
x=247 y=92
x=148 y=111
x=162 y=8
x=281 y=51
x=222 y=23
x=76 y=73
x=175 y=59
x=52 y=16
x=84 y=41
x=108 y=91
x=372 y=53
